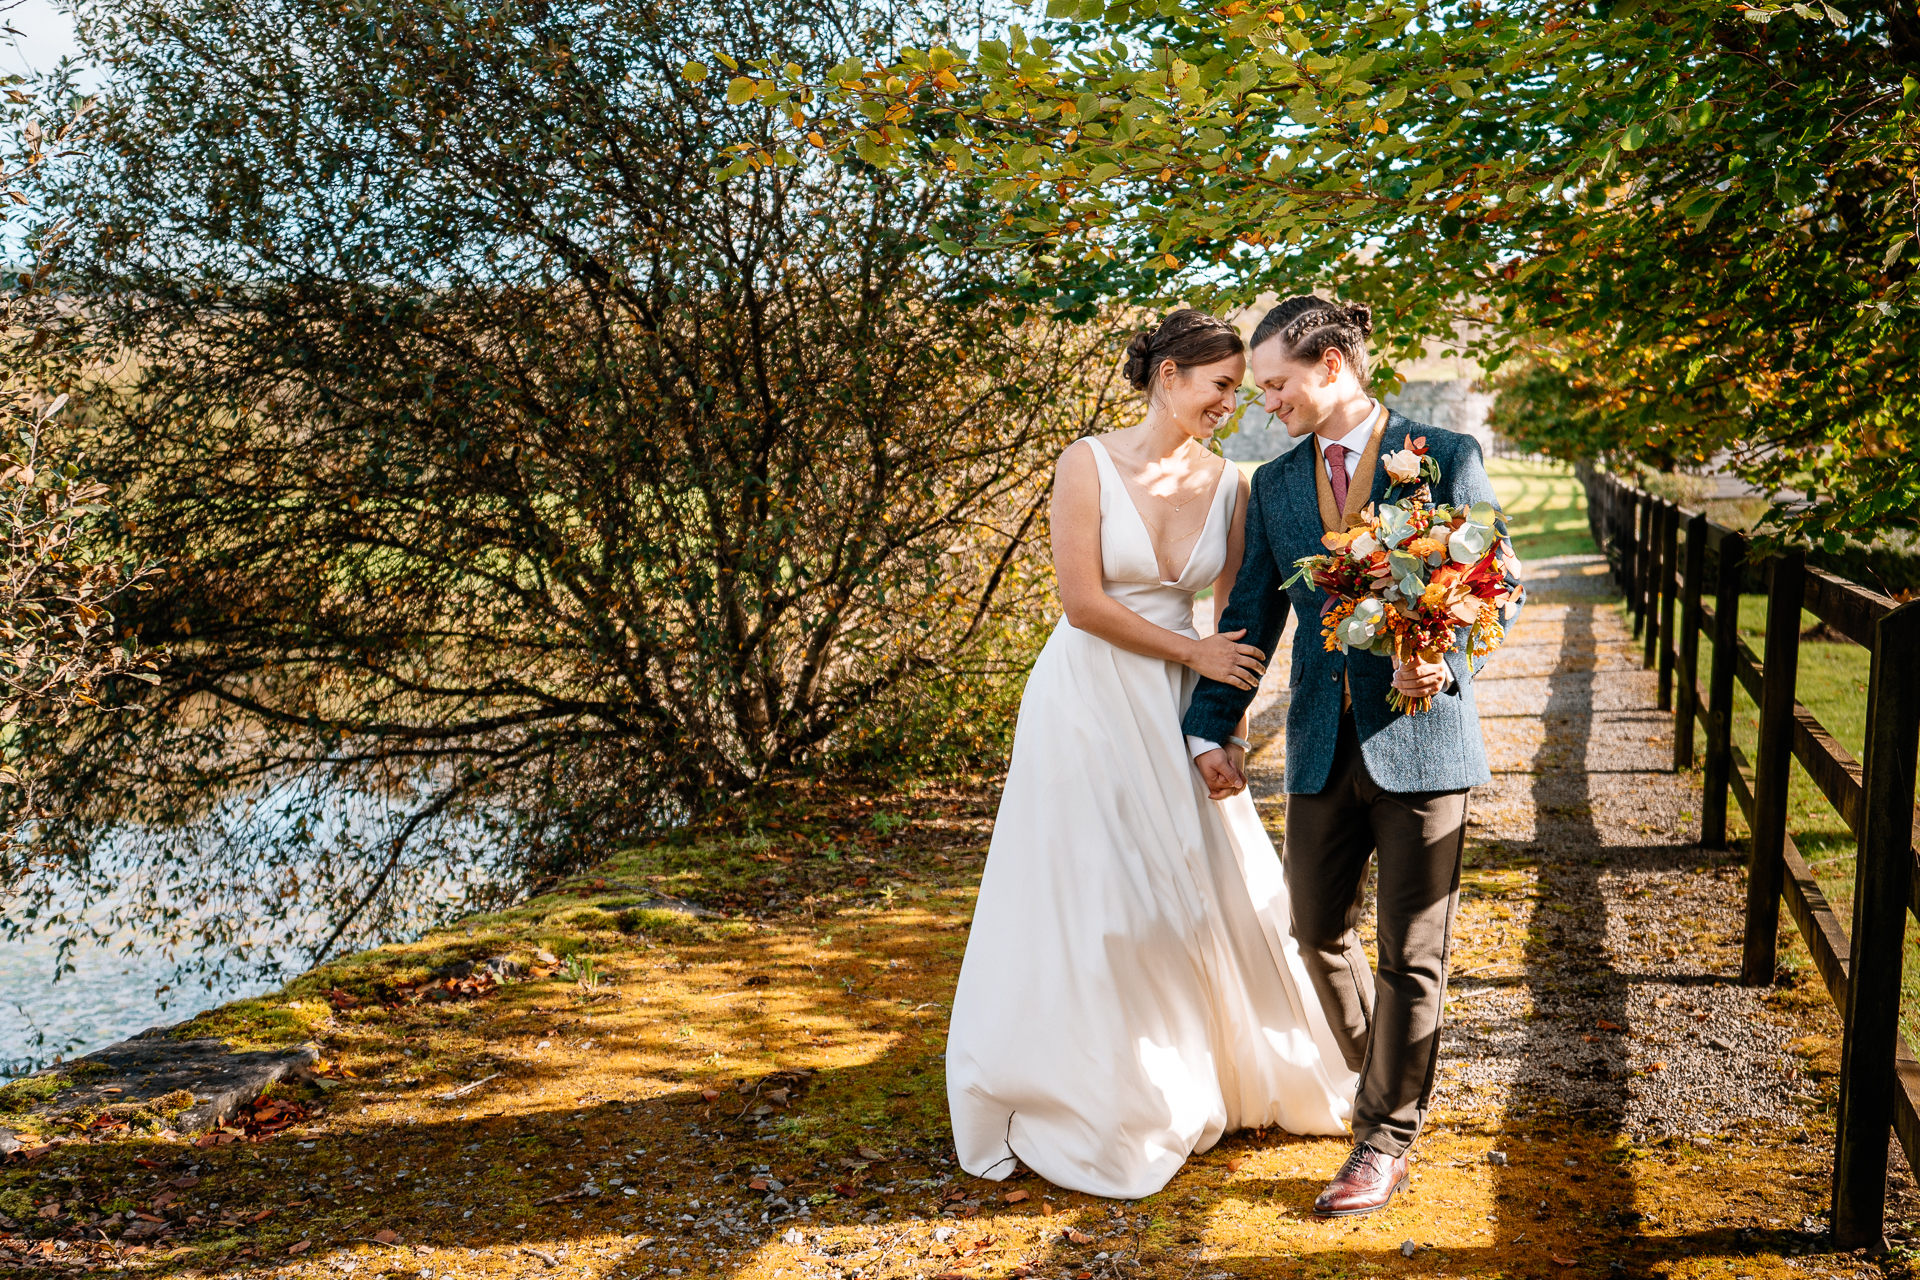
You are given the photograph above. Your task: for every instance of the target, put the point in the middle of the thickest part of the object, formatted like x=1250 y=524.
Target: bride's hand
x=1220 y=657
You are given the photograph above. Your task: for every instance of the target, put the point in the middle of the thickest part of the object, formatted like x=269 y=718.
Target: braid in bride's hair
x=1307 y=326
x=1186 y=337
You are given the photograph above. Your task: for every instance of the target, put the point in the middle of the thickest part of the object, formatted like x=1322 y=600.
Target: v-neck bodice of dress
x=1129 y=569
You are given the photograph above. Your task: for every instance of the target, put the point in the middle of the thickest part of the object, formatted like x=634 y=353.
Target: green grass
x=1546 y=508
x=1831 y=680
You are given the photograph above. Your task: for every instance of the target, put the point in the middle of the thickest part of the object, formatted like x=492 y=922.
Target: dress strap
x=1103 y=464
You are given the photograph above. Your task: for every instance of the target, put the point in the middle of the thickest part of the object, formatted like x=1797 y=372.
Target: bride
x=1131 y=990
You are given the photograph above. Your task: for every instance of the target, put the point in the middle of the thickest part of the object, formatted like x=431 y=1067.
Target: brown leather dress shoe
x=1367 y=1181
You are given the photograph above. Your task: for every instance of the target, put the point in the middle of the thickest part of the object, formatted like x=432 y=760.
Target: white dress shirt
x=1353 y=442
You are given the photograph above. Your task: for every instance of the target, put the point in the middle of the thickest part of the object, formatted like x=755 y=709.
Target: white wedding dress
x=1131 y=990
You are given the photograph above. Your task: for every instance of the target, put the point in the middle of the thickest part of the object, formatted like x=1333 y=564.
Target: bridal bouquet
x=1405 y=578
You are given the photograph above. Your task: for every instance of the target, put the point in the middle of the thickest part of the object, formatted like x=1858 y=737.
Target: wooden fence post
x=1726 y=630
x=1590 y=478
x=1786 y=592
x=1650 y=582
x=1669 y=582
x=1689 y=658
x=1630 y=553
x=1648 y=562
x=1881 y=884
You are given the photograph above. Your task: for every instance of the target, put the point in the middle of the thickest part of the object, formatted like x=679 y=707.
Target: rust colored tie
x=1337 y=475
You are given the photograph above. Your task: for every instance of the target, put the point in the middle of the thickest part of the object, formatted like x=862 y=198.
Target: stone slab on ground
x=150 y=1066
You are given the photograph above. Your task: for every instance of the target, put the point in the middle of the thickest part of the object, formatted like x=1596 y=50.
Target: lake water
x=108 y=997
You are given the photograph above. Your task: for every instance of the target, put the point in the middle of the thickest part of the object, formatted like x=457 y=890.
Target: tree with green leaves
x=1695 y=222
x=524 y=487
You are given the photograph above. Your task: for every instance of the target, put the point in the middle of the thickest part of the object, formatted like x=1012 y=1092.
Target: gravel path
x=1595 y=972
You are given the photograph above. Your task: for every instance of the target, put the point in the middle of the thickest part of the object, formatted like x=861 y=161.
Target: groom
x=1363 y=780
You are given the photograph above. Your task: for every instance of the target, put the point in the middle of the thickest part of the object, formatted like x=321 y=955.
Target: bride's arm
x=1076 y=566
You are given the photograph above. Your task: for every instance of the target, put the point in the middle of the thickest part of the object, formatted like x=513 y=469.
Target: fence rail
x=1682 y=577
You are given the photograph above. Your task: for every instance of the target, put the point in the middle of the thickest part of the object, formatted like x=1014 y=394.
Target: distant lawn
x=1832 y=683
x=1546 y=508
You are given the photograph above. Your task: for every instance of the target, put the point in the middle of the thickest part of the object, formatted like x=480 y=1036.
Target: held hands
x=1220 y=657
x=1420 y=679
x=1223 y=769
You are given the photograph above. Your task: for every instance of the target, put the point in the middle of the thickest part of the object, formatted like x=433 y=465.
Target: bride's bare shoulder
x=1077 y=458
x=1076 y=476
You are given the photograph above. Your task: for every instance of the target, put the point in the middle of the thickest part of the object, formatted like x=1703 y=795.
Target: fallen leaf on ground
x=868 y=1153
x=302 y=1247
x=541 y=1254
x=1014 y=1197
x=1565 y=1262
x=1604 y=1025
x=1233 y=1166
x=1078 y=1237
x=386 y=1237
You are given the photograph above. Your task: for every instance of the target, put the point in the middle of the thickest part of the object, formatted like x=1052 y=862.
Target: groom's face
x=1292 y=391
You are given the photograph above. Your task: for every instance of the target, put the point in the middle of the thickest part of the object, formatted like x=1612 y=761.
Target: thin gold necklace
x=1169 y=501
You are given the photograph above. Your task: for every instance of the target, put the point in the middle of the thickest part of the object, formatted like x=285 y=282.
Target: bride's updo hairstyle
x=1186 y=337
x=1307 y=326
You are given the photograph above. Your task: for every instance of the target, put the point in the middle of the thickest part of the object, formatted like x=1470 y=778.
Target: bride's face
x=1200 y=397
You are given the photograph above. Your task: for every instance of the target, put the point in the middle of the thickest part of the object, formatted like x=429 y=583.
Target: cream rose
x=1403 y=465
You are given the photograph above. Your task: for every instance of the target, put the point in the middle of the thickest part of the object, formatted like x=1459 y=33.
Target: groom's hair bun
x=1307 y=326
x=1186 y=337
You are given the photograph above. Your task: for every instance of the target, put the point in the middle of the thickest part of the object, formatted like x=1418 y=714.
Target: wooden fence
x=1682 y=578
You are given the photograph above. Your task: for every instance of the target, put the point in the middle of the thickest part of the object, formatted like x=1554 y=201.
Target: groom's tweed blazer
x=1438 y=750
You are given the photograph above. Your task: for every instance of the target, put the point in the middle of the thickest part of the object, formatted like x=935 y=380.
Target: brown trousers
x=1388 y=1028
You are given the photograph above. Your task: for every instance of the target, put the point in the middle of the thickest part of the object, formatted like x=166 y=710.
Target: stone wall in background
x=1451 y=404
x=1259 y=438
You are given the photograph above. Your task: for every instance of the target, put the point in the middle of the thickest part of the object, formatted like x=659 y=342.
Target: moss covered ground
x=722 y=1056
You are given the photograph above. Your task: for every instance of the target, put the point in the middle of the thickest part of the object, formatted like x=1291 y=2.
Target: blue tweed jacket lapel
x=1303 y=498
